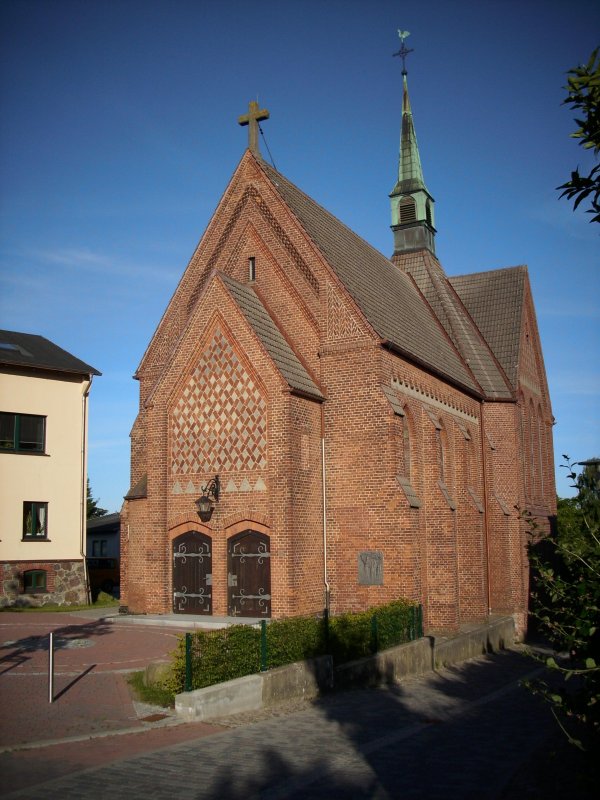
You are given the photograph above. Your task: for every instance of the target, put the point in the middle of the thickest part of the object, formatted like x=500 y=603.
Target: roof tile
x=495 y=301
x=271 y=337
x=386 y=295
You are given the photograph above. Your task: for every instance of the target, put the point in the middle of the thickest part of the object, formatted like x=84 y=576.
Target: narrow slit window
x=252 y=268
x=406 y=447
x=440 y=453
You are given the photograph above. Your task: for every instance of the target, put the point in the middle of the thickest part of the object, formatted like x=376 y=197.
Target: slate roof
x=386 y=296
x=271 y=337
x=447 y=305
x=107 y=523
x=495 y=301
x=36 y=352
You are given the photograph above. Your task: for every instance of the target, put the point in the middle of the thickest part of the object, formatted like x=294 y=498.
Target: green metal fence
x=220 y=655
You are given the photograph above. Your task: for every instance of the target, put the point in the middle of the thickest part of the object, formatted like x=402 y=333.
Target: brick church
x=323 y=426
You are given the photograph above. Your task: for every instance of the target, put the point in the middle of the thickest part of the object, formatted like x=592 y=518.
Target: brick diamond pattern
x=219 y=422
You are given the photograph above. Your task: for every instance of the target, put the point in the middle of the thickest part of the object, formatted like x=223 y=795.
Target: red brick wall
x=457 y=560
x=287 y=504
x=305 y=568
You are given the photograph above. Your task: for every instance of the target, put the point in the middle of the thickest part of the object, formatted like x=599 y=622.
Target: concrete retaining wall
x=231 y=697
x=302 y=679
x=386 y=667
x=426 y=654
x=489 y=638
x=310 y=678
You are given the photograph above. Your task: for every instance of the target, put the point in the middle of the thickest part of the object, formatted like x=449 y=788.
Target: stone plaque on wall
x=370 y=568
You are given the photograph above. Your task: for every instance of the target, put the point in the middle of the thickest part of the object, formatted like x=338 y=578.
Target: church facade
x=322 y=426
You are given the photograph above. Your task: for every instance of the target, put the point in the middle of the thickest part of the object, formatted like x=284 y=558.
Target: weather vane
x=404 y=50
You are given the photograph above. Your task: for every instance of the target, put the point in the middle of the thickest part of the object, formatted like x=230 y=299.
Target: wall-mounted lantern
x=205 y=503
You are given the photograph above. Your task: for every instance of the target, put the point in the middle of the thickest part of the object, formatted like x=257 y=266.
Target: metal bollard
x=51 y=669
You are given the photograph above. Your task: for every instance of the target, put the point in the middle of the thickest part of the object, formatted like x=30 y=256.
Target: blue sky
x=118 y=135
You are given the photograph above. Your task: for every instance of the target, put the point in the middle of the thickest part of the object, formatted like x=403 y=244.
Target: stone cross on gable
x=251 y=119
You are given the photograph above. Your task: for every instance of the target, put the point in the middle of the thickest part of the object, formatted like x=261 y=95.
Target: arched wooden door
x=249 y=575
x=192 y=573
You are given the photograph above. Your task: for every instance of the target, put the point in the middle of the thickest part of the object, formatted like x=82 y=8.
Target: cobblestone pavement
x=459 y=733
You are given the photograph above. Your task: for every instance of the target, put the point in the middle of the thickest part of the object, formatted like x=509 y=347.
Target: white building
x=43 y=470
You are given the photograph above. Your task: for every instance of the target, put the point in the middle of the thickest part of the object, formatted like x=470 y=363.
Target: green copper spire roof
x=411 y=203
x=410 y=172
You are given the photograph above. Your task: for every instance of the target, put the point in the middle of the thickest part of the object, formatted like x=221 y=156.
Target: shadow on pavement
x=65 y=638
x=74 y=681
x=463 y=732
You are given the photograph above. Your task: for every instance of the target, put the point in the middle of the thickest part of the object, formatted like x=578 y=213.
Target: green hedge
x=363 y=634
x=221 y=655
x=217 y=656
x=295 y=639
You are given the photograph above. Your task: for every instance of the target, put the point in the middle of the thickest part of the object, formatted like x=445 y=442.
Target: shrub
x=295 y=639
x=566 y=604
x=221 y=655
x=217 y=656
x=353 y=636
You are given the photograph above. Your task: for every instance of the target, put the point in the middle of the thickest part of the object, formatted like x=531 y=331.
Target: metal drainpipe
x=84 y=488
x=486 y=531
x=324 y=485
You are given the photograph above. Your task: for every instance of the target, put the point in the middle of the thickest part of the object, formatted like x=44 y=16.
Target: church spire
x=412 y=205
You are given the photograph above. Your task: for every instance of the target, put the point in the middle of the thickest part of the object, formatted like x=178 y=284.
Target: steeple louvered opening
x=407 y=210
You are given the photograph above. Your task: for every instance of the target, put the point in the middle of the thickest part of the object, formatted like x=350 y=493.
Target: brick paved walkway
x=461 y=733
x=92 y=657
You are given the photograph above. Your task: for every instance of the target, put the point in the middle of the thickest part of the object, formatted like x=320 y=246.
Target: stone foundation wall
x=65 y=583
